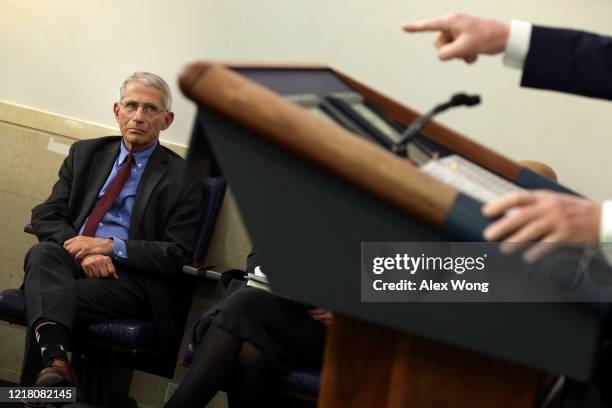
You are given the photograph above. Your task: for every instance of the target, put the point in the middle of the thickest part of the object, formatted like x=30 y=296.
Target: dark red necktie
x=107 y=200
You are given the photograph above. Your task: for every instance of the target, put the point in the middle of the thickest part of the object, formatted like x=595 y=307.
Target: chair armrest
x=28 y=229
x=207 y=271
x=201 y=269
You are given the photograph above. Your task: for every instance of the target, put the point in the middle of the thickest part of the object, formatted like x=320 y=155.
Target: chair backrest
x=212 y=198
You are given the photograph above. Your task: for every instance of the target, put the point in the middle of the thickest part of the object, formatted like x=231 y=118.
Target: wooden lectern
x=312 y=189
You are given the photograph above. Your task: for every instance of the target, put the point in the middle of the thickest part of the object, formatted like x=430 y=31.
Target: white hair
x=149 y=79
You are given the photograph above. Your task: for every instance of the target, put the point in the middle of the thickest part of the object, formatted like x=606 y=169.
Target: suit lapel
x=156 y=168
x=101 y=166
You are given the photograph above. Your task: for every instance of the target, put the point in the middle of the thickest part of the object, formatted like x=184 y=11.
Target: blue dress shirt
x=116 y=222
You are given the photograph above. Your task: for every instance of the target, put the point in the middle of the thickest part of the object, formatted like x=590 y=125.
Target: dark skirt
x=279 y=328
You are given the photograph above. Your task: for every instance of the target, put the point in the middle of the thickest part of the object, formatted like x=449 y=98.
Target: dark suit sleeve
x=50 y=220
x=166 y=256
x=570 y=61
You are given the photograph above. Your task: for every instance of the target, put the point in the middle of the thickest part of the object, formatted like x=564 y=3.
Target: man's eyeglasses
x=147 y=108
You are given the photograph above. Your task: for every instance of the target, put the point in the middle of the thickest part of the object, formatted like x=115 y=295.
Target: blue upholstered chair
x=105 y=375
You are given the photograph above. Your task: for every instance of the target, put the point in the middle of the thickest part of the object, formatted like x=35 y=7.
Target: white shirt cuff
x=605 y=225
x=605 y=230
x=518 y=44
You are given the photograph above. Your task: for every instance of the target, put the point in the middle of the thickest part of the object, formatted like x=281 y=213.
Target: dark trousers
x=57 y=289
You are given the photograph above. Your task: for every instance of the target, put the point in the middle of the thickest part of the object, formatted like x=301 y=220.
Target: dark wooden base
x=371 y=366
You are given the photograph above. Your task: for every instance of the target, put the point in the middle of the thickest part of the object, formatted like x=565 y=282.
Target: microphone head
x=464 y=99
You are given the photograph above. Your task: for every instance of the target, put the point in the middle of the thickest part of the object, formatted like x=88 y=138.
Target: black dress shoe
x=58 y=374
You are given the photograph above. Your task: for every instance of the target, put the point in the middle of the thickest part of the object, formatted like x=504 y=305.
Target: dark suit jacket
x=569 y=61
x=162 y=228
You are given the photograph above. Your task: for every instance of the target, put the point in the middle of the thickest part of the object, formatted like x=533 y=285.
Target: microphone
x=411 y=131
x=463 y=99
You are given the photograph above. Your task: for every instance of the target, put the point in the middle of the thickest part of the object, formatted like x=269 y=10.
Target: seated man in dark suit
x=113 y=235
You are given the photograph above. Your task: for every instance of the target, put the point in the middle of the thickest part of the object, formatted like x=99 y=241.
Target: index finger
x=430 y=24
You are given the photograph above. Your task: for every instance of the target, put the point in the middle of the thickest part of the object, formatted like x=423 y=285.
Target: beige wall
x=69 y=56
x=33 y=145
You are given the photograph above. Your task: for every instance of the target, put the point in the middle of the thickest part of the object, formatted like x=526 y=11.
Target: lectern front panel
x=309 y=202
x=303 y=218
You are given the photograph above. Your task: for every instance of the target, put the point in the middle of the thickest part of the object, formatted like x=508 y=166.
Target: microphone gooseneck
x=411 y=131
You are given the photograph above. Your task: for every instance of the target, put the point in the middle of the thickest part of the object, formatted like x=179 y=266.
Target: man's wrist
x=111 y=243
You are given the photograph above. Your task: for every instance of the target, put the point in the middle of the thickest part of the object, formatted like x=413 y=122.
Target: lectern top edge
x=192 y=71
x=455 y=141
x=237 y=93
x=274 y=118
